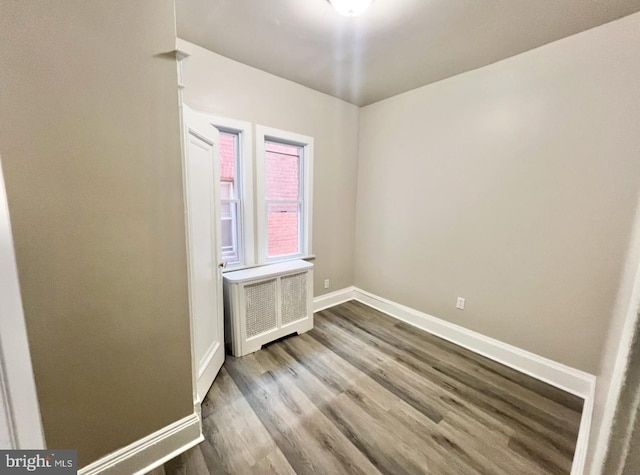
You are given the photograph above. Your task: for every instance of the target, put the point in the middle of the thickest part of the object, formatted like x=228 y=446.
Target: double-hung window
x=236 y=229
x=284 y=166
x=230 y=213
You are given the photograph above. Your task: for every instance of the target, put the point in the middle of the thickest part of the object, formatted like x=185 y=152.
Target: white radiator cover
x=265 y=303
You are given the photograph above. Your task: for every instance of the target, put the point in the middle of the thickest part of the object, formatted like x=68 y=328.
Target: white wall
x=514 y=186
x=222 y=87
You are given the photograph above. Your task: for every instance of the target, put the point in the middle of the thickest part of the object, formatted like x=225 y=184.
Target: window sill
x=309 y=257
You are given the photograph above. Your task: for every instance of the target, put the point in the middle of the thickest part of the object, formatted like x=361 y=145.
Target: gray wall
x=90 y=144
x=220 y=86
x=514 y=186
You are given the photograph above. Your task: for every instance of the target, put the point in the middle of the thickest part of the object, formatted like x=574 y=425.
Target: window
x=230 y=213
x=283 y=197
x=236 y=182
x=284 y=194
x=281 y=227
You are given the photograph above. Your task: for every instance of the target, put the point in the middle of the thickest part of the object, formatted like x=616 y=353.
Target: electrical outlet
x=460 y=303
x=326 y=283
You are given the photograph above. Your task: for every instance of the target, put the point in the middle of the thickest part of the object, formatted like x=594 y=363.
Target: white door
x=203 y=229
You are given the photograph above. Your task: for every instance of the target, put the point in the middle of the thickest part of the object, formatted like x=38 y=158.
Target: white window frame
x=306 y=143
x=244 y=179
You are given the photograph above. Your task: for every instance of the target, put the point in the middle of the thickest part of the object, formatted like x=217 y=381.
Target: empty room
x=320 y=237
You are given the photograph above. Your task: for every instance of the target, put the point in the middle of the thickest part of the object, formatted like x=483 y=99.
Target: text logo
x=53 y=462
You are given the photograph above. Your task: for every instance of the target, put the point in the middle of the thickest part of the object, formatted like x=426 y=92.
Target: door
x=203 y=230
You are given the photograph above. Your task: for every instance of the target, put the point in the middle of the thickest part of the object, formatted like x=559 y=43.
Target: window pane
x=283 y=224
x=227 y=236
x=228 y=152
x=282 y=173
x=226 y=190
x=229 y=233
x=282 y=148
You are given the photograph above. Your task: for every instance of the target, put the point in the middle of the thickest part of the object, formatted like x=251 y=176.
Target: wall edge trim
x=151 y=451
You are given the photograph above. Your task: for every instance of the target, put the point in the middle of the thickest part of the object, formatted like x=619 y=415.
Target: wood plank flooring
x=363 y=393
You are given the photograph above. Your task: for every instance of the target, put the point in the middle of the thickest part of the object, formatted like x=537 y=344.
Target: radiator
x=266 y=303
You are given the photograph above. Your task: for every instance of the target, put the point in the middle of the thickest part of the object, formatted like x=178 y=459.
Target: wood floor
x=363 y=393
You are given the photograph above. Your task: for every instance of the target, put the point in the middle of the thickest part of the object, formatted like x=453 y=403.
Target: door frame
x=18 y=396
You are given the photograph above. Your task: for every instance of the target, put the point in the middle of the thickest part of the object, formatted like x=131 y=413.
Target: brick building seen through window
x=283 y=197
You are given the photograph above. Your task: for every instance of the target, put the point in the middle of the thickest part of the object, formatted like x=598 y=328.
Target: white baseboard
x=564 y=377
x=569 y=379
x=334 y=298
x=582 y=444
x=152 y=451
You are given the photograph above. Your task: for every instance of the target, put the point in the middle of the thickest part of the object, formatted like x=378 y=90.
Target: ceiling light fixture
x=350 y=7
